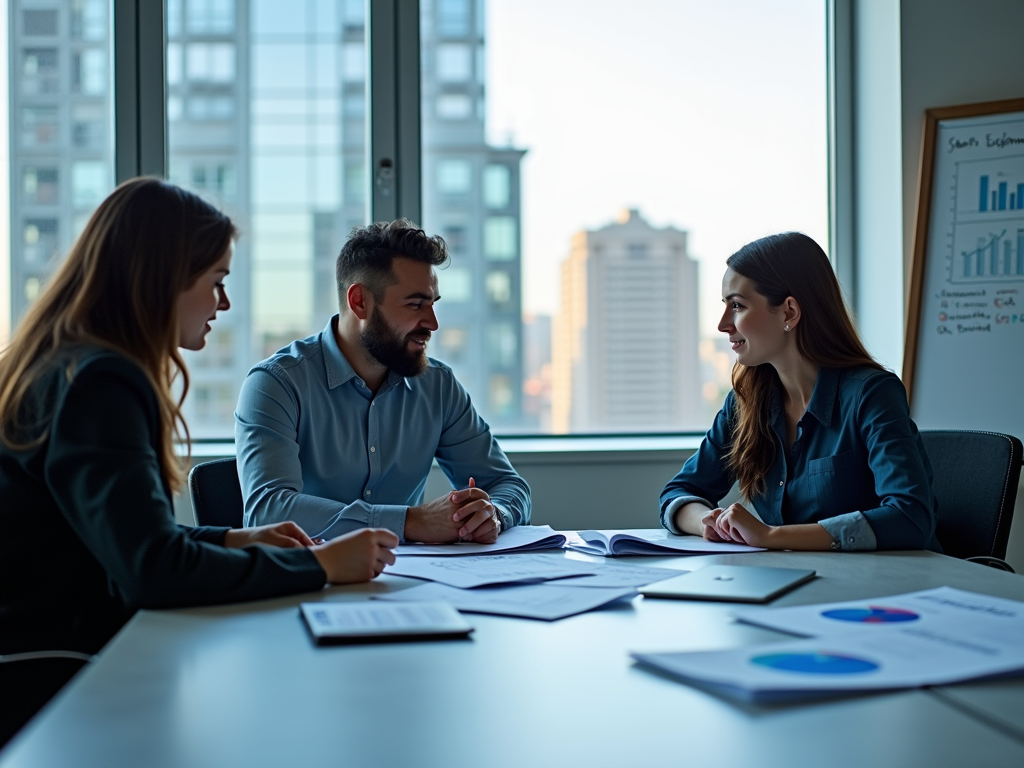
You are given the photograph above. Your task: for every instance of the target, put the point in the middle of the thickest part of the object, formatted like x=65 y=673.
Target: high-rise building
x=266 y=111
x=626 y=338
x=61 y=145
x=471 y=197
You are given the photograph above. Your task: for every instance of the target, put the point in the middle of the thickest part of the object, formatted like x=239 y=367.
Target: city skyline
x=266 y=117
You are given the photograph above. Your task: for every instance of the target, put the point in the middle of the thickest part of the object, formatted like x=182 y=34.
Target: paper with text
x=521 y=538
x=532 y=601
x=944 y=609
x=652 y=541
x=481 y=570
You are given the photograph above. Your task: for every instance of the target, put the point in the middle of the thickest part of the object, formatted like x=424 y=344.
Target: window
x=595 y=197
x=40 y=239
x=569 y=188
x=210 y=62
x=89 y=20
x=454 y=106
x=39 y=127
x=453 y=18
x=40 y=23
x=454 y=177
x=499 y=288
x=90 y=183
x=40 y=186
x=39 y=70
x=500 y=238
x=210 y=16
x=89 y=72
x=454 y=63
x=455 y=284
x=266 y=108
x=497 y=186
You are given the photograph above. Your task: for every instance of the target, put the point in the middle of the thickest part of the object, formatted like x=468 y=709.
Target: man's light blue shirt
x=317 y=447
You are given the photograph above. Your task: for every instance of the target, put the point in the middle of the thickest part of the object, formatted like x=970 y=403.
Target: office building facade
x=625 y=348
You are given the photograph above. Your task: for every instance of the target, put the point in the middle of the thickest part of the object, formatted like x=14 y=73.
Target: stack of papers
x=521 y=538
x=530 y=601
x=483 y=578
x=483 y=570
x=368 y=622
x=651 y=541
x=934 y=637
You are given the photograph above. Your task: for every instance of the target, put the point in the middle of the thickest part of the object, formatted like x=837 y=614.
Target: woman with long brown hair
x=815 y=432
x=88 y=423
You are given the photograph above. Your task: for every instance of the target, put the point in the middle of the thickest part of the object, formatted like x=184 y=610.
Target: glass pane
x=58 y=140
x=592 y=178
x=266 y=118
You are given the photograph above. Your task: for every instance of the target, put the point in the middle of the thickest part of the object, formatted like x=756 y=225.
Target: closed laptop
x=733 y=583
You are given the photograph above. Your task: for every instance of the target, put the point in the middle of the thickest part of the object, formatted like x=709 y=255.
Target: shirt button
x=373 y=449
x=850 y=540
x=781 y=483
x=367 y=493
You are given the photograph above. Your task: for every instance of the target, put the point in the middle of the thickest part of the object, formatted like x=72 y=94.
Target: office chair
x=976 y=476
x=31 y=679
x=216 y=493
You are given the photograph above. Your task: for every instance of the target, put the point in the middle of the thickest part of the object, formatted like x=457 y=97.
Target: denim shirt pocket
x=838 y=482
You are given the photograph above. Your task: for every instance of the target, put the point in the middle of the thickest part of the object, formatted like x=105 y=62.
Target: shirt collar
x=339 y=369
x=823 y=398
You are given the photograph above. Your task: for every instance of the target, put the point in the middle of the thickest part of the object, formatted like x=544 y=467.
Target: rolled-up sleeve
x=704 y=478
x=850 y=532
x=468 y=449
x=270 y=470
x=905 y=516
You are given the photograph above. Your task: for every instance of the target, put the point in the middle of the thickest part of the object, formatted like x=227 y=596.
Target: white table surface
x=244 y=685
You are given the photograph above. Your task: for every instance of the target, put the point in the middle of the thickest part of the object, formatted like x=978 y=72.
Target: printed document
x=521 y=538
x=900 y=658
x=933 y=637
x=947 y=610
x=480 y=570
x=618 y=574
x=651 y=541
x=350 y=622
x=531 y=601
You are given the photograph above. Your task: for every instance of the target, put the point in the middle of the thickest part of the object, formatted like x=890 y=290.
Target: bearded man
x=338 y=431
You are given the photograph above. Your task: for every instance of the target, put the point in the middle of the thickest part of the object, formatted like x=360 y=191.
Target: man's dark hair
x=366 y=256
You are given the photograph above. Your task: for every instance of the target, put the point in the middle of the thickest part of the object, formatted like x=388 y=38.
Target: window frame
x=393 y=170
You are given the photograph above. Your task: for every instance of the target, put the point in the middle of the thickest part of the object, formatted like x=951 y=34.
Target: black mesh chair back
x=216 y=493
x=976 y=476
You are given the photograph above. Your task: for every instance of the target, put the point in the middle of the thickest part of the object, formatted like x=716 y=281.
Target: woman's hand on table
x=736 y=524
x=357 y=556
x=286 y=534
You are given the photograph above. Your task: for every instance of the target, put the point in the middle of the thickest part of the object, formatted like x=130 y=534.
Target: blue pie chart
x=815 y=663
x=873 y=614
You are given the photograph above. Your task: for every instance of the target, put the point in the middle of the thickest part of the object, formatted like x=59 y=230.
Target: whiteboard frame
x=922 y=229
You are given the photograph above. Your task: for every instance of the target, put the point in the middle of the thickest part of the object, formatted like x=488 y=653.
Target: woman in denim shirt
x=816 y=433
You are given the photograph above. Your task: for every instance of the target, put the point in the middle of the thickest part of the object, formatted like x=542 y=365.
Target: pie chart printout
x=815 y=663
x=873 y=614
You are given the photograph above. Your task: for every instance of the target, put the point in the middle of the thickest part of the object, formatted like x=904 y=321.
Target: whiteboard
x=966 y=354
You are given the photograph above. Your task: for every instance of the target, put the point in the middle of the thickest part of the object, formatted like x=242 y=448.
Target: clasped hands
x=464 y=515
x=735 y=524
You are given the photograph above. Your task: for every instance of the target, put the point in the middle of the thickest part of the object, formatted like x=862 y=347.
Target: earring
x=787 y=326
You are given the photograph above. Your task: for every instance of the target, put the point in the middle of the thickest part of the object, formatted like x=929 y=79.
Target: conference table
x=244 y=685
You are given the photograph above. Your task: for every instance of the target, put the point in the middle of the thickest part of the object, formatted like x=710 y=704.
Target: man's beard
x=387 y=348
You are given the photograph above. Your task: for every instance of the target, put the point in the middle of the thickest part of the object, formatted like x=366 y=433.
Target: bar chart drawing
x=986 y=241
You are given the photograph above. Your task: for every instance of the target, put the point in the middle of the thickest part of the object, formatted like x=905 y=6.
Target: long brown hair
x=119 y=288
x=780 y=266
